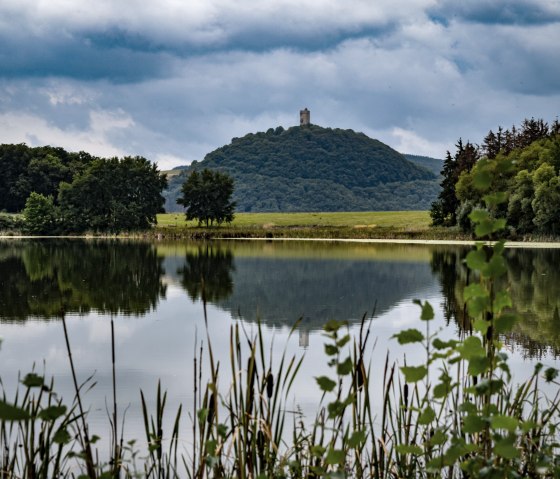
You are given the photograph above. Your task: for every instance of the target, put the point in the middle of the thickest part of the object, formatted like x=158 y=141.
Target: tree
x=113 y=195
x=444 y=209
x=40 y=214
x=206 y=195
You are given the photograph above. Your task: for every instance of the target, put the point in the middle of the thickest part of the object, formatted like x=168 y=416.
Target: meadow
x=360 y=219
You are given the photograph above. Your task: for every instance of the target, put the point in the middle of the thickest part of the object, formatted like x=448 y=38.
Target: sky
x=173 y=80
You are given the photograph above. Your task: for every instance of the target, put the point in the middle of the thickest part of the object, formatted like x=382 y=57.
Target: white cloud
x=35 y=130
x=406 y=141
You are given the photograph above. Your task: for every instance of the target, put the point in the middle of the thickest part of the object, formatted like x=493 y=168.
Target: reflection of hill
x=279 y=282
x=41 y=278
x=280 y=291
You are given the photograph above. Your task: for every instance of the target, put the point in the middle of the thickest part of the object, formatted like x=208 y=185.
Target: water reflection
x=42 y=278
x=276 y=283
x=206 y=273
x=534 y=285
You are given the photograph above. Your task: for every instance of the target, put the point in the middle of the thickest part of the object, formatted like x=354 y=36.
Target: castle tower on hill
x=304 y=117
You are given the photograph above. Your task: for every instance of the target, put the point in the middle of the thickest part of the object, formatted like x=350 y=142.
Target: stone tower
x=304 y=117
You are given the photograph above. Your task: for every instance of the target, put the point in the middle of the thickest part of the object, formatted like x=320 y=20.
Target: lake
x=155 y=294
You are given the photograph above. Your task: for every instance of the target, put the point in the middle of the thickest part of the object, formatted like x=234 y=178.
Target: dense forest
x=316 y=169
x=524 y=164
x=62 y=192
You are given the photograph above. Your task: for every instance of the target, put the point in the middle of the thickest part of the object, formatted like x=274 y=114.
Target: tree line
x=61 y=192
x=526 y=165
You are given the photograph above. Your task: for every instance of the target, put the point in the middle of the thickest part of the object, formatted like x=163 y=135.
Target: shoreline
x=435 y=242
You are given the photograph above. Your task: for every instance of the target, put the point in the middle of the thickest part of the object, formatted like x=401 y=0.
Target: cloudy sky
x=174 y=79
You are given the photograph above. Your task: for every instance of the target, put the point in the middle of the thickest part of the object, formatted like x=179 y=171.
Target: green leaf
x=12 y=413
x=62 y=436
x=427 y=416
x=332 y=325
x=330 y=349
x=413 y=374
x=473 y=424
x=335 y=456
x=471 y=348
x=550 y=374
x=409 y=449
x=484 y=228
x=478 y=365
x=345 y=367
x=439 y=344
x=427 y=312
x=202 y=415
x=325 y=383
x=439 y=437
x=468 y=407
x=474 y=290
x=409 y=336
x=442 y=389
x=502 y=300
x=52 y=413
x=342 y=341
x=476 y=216
x=481 y=325
x=33 y=380
x=357 y=438
x=505 y=322
x=505 y=448
x=496 y=267
x=527 y=426
x=501 y=421
x=476 y=260
x=478 y=305
x=335 y=409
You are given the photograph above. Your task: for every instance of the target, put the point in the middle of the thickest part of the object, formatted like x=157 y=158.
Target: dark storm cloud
x=80 y=58
x=511 y=12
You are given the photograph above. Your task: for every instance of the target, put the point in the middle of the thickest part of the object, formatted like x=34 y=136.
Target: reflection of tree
x=208 y=271
x=40 y=278
x=534 y=284
x=447 y=264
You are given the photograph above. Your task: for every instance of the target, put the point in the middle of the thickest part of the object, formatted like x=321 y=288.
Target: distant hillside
x=316 y=169
x=433 y=164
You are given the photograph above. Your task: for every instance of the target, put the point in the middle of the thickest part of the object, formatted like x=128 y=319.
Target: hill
x=316 y=169
x=433 y=164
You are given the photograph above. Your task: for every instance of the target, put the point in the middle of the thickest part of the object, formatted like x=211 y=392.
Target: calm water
x=153 y=291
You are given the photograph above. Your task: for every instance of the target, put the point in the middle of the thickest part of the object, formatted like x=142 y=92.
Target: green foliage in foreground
x=455 y=415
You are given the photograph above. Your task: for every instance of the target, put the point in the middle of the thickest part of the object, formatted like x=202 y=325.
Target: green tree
x=444 y=209
x=546 y=204
x=113 y=195
x=40 y=214
x=206 y=195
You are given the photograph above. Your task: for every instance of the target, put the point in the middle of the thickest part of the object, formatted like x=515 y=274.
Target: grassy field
x=368 y=219
x=340 y=225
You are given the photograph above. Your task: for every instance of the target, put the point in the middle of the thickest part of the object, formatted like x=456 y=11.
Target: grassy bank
x=329 y=225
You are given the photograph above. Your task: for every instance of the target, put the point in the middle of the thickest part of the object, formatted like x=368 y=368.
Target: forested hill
x=316 y=169
x=432 y=164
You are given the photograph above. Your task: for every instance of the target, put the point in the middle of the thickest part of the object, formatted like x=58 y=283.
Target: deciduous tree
x=206 y=196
